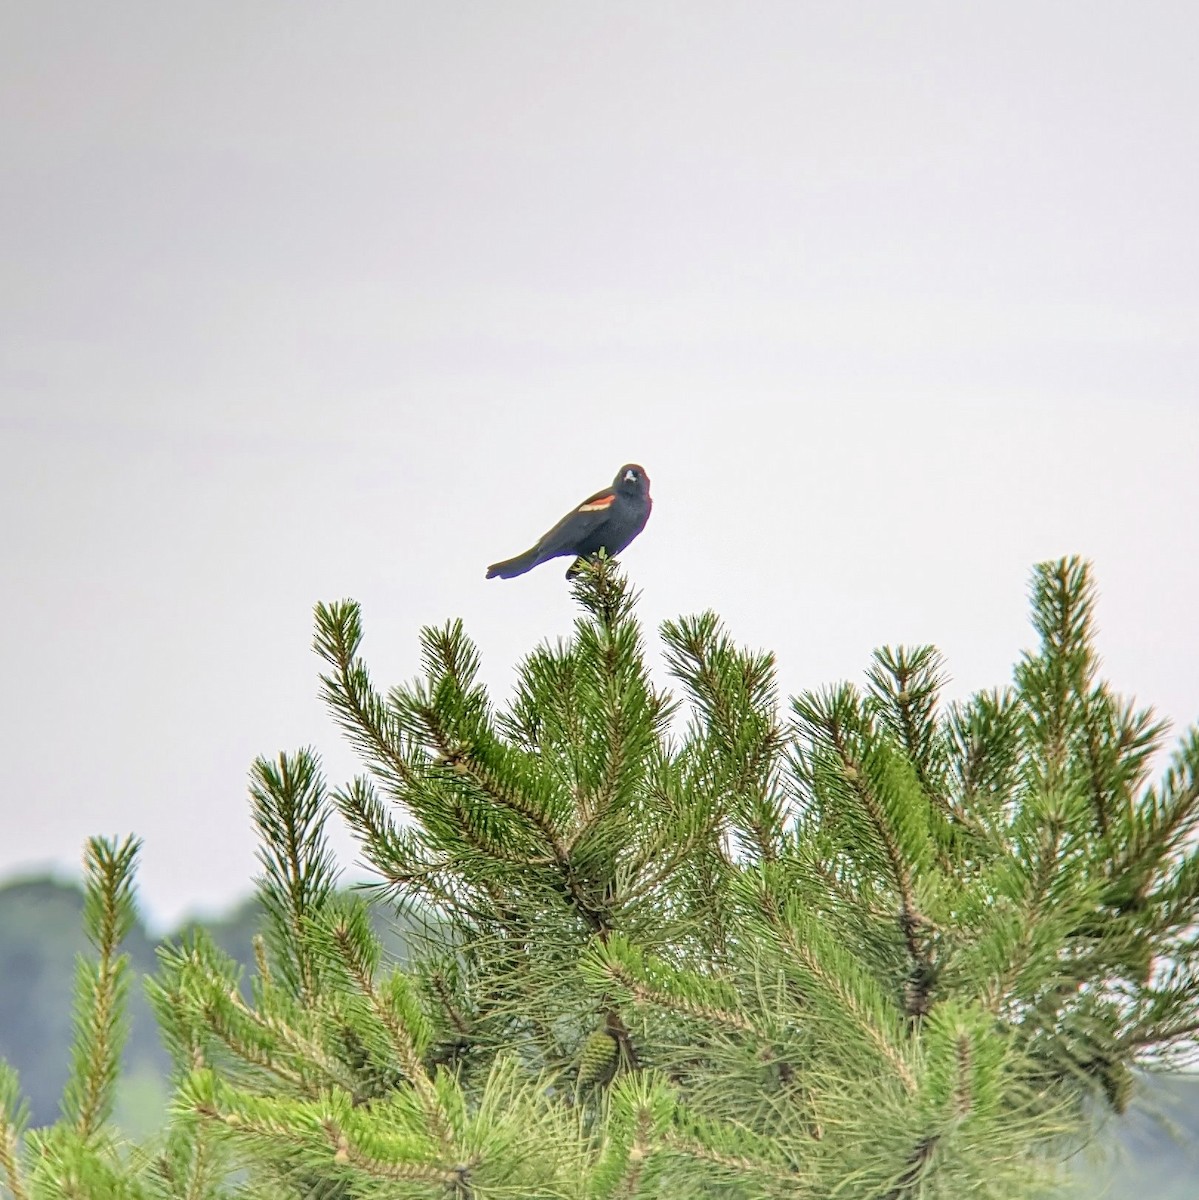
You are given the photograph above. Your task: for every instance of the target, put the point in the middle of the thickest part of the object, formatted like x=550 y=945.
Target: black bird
x=607 y=521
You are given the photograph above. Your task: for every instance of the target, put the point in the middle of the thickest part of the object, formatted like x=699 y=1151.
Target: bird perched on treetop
x=607 y=521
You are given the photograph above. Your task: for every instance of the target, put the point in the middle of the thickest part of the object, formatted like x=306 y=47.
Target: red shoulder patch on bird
x=598 y=504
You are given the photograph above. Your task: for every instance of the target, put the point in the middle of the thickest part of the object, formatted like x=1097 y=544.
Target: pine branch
x=736 y=1164
x=451 y=713
x=386 y=848
x=1118 y=743
x=196 y=996
x=289 y=809
x=910 y=918
x=455 y=1015
x=641 y=1106
x=453 y=888
x=357 y=707
x=1164 y=822
x=456 y=1178
x=494 y=784
x=394 y=1007
x=830 y=972
x=1036 y=879
x=877 y=778
x=983 y=739
x=905 y=684
x=618 y=718
x=650 y=981
x=1054 y=683
x=191 y=1164
x=251 y=1050
x=603 y=591
x=232 y=1024
x=463 y=761
x=917 y=1166
x=14 y=1118
x=735 y=694
x=1158 y=1035
x=101 y=988
x=327 y=1132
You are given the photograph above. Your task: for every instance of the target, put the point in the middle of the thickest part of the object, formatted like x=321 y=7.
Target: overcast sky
x=309 y=301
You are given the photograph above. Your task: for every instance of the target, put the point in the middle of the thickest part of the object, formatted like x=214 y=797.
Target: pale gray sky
x=307 y=301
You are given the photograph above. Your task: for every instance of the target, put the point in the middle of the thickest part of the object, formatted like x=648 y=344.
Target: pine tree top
x=859 y=942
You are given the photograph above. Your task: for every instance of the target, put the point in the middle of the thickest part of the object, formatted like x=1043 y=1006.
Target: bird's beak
x=630 y=476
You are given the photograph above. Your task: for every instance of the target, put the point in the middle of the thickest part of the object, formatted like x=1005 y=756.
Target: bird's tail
x=511 y=567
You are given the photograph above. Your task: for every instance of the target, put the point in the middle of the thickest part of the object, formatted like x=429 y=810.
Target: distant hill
x=1152 y=1153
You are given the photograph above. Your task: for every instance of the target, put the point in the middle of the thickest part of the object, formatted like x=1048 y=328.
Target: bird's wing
x=600 y=502
x=576 y=525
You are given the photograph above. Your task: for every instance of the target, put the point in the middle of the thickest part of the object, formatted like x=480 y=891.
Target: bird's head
x=632 y=478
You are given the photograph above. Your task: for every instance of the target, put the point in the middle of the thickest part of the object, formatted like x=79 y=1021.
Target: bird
x=607 y=521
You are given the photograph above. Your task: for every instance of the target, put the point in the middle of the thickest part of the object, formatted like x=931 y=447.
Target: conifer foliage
x=862 y=944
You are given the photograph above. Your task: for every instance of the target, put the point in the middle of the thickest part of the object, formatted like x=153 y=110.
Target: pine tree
x=864 y=944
